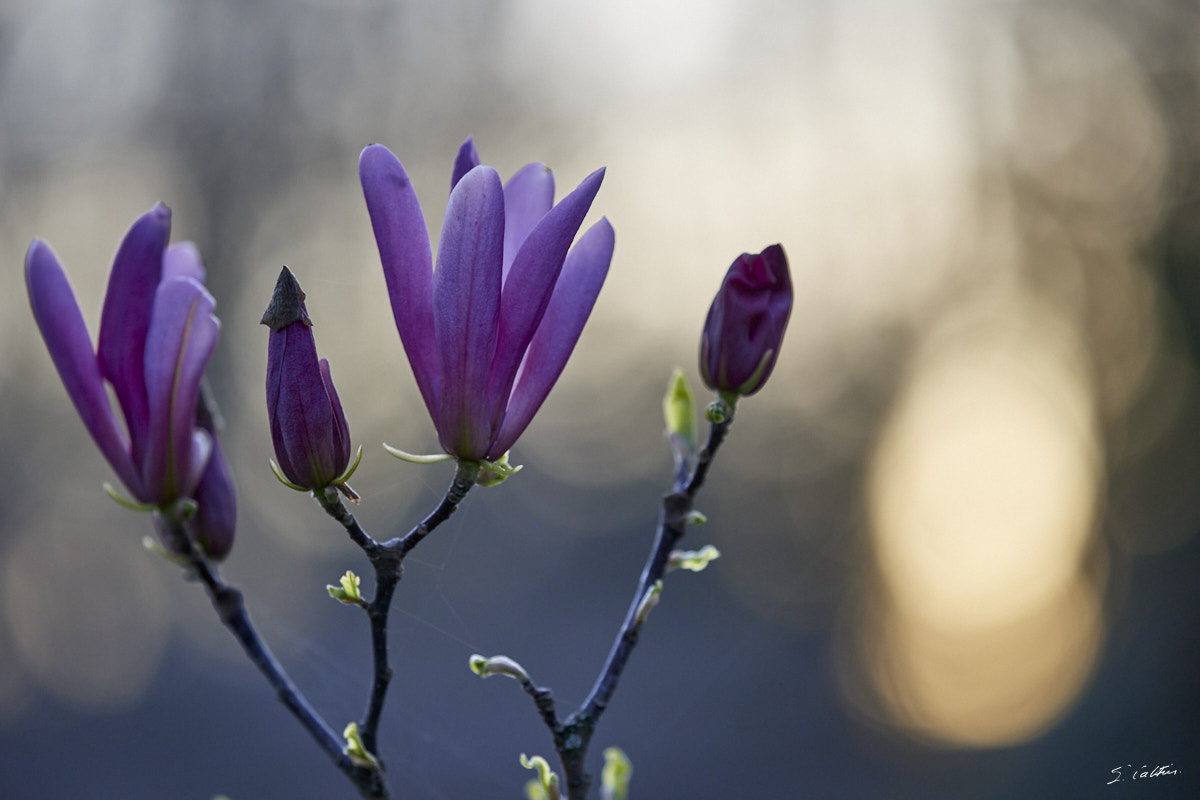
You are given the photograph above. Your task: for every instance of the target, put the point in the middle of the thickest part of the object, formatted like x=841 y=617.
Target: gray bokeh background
x=958 y=526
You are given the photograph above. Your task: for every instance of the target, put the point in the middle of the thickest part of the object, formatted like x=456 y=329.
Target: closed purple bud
x=308 y=427
x=746 y=322
x=216 y=512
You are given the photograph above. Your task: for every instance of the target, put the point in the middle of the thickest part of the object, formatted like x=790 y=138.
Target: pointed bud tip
x=595 y=179
x=287 y=303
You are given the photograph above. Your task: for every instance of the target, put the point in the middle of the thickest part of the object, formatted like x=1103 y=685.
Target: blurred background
x=958 y=526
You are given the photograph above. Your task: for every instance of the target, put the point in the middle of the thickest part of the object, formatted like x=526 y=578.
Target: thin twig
x=386 y=578
x=387 y=560
x=464 y=479
x=334 y=507
x=572 y=736
x=230 y=606
x=543 y=698
x=672 y=523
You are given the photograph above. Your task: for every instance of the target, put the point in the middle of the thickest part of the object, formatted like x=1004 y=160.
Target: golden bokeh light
x=983 y=495
x=988 y=686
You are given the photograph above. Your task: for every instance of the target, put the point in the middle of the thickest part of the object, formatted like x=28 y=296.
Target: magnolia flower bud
x=216 y=498
x=746 y=322
x=216 y=511
x=308 y=427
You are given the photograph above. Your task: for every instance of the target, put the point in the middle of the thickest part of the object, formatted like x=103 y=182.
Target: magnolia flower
x=746 y=322
x=308 y=427
x=489 y=330
x=157 y=332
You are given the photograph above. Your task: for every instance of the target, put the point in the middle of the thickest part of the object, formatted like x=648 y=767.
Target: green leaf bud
x=721 y=410
x=547 y=779
x=614 y=778
x=679 y=410
x=486 y=667
x=356 y=749
x=649 y=601
x=348 y=592
x=693 y=560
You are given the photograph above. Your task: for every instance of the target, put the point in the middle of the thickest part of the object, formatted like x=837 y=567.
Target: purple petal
x=136 y=273
x=528 y=195
x=341 y=428
x=216 y=515
x=198 y=456
x=530 y=284
x=466 y=301
x=58 y=316
x=574 y=296
x=182 y=336
x=274 y=388
x=407 y=263
x=466 y=160
x=183 y=261
x=302 y=421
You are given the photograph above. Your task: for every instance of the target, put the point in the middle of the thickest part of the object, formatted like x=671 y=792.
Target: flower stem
x=572 y=736
x=230 y=606
x=387 y=560
x=464 y=479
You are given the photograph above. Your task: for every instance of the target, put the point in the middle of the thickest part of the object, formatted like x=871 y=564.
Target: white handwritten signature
x=1144 y=772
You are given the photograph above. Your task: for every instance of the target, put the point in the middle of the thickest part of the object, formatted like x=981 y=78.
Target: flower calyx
x=493 y=473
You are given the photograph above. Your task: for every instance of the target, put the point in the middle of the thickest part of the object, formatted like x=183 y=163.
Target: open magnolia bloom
x=489 y=330
x=157 y=332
